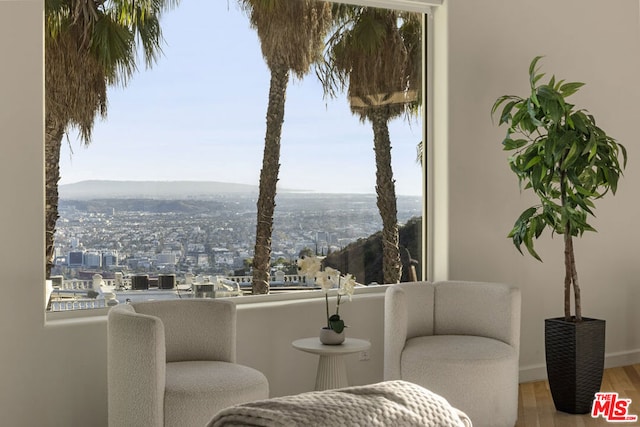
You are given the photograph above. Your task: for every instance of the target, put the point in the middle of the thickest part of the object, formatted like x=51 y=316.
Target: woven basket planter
x=575 y=362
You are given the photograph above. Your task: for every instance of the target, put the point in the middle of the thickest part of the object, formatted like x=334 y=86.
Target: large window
x=168 y=185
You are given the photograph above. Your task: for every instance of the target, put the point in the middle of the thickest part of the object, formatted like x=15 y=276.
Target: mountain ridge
x=91 y=189
x=178 y=189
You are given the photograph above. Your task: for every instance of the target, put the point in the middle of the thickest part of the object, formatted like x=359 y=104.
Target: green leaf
x=336 y=323
x=569 y=159
x=534 y=161
x=501 y=100
x=532 y=111
x=516 y=235
x=533 y=77
x=510 y=144
x=583 y=191
x=505 y=117
x=535 y=178
x=524 y=216
x=580 y=122
x=528 y=243
x=569 y=89
x=551 y=103
x=540 y=226
x=591 y=148
x=532 y=66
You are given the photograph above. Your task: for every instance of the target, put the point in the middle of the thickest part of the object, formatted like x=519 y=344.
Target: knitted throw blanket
x=389 y=403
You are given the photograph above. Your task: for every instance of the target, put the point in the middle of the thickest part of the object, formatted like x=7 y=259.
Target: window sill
x=243 y=302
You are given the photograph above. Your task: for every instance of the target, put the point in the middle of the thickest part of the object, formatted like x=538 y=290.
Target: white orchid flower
x=322 y=279
x=333 y=276
x=309 y=266
x=347 y=286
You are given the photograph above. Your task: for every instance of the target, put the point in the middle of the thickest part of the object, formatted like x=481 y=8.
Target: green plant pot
x=575 y=362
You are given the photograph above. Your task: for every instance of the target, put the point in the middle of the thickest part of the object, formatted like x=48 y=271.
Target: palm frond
x=291 y=33
x=375 y=55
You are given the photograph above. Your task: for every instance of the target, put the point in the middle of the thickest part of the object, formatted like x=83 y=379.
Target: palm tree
x=375 y=54
x=291 y=36
x=89 y=44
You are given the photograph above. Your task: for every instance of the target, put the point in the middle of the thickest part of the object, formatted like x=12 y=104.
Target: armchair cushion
x=210 y=386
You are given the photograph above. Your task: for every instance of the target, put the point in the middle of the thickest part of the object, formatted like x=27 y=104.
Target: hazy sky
x=199 y=115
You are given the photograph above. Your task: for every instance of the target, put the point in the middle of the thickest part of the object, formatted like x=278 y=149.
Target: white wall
x=491 y=43
x=266 y=330
x=55 y=374
x=21 y=214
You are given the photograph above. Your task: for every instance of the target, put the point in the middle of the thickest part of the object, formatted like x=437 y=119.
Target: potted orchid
x=327 y=279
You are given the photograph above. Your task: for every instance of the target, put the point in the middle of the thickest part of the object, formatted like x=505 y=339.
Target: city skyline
x=220 y=231
x=199 y=115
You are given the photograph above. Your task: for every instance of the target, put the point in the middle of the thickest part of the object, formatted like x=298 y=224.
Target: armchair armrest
x=135 y=364
x=395 y=331
x=408 y=313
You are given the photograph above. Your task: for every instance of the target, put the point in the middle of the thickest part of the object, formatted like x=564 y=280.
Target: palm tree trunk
x=53 y=140
x=386 y=192
x=269 y=179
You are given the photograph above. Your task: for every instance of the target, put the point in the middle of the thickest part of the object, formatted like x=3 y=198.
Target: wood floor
x=535 y=405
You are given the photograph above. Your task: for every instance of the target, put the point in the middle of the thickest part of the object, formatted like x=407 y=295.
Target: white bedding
x=390 y=403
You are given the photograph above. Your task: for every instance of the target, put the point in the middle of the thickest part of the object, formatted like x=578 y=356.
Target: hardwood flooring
x=535 y=405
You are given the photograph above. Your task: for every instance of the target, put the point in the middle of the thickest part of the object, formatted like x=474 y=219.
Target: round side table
x=332 y=371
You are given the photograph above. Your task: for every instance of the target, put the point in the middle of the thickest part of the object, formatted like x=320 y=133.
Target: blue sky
x=199 y=115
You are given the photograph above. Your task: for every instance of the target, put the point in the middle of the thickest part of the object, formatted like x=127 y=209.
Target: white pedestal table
x=332 y=371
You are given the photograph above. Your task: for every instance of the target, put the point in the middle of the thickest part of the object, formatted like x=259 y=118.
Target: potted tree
x=560 y=154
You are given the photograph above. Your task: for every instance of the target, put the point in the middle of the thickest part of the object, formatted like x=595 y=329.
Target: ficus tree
x=560 y=154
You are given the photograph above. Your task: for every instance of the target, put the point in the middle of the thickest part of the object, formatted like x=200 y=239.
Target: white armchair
x=460 y=340
x=172 y=363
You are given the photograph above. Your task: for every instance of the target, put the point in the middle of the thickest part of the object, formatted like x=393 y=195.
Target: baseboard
x=533 y=373
x=611 y=360
x=622 y=358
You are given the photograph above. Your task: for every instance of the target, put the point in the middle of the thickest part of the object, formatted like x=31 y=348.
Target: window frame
x=429 y=272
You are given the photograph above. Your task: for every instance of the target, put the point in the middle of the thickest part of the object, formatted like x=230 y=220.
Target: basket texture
x=575 y=362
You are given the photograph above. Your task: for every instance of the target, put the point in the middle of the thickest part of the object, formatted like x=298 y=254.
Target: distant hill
x=363 y=258
x=99 y=189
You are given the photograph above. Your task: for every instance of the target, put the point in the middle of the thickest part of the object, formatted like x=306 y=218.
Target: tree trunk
x=576 y=289
x=53 y=140
x=570 y=271
x=386 y=192
x=574 y=278
x=269 y=179
x=568 y=249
